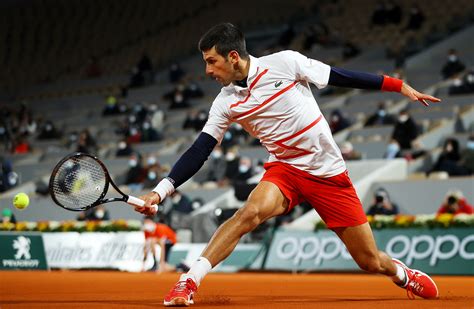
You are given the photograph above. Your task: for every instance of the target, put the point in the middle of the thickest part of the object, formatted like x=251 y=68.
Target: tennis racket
x=80 y=181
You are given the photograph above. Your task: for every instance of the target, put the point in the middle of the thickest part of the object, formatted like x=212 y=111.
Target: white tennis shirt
x=279 y=109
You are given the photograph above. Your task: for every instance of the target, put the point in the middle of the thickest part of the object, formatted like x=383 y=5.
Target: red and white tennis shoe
x=418 y=283
x=181 y=294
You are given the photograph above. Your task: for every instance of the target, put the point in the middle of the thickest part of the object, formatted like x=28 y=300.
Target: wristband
x=391 y=84
x=164 y=188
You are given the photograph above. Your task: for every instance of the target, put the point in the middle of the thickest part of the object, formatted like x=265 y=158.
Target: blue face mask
x=470 y=145
x=381 y=113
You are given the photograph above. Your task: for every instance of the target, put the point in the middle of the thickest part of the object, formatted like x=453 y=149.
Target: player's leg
x=360 y=243
x=265 y=201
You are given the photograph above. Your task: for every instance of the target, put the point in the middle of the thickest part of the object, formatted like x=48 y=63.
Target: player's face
x=221 y=68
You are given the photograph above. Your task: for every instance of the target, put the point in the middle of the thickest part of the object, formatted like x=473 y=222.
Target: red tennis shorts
x=334 y=198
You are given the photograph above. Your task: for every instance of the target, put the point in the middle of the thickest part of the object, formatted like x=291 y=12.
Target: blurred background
x=124 y=80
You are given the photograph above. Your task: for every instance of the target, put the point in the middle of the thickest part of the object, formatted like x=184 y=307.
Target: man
x=271 y=98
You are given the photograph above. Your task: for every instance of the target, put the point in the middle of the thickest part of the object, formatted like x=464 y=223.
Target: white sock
x=198 y=270
x=400 y=276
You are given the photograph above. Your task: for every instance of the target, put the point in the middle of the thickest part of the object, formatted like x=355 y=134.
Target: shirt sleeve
x=308 y=69
x=218 y=121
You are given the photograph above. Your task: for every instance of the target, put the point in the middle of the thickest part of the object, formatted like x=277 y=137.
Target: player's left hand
x=414 y=95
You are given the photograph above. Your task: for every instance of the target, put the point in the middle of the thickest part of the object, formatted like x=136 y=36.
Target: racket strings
x=79 y=182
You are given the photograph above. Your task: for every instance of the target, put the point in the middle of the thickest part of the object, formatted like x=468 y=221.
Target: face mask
x=149 y=227
x=452 y=58
x=216 y=154
x=151 y=161
x=122 y=145
x=403 y=118
x=100 y=213
x=196 y=205
x=392 y=148
x=132 y=163
x=146 y=126
x=381 y=113
x=470 y=145
x=178 y=98
x=243 y=168
x=230 y=156
x=151 y=175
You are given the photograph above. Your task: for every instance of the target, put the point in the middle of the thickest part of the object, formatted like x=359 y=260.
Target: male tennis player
x=271 y=98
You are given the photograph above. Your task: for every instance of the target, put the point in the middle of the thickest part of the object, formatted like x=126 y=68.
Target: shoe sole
x=437 y=291
x=178 y=302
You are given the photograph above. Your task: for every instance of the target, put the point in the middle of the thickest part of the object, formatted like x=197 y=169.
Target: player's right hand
x=151 y=198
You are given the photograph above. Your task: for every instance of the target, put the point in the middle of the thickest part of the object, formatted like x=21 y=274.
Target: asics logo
x=278 y=83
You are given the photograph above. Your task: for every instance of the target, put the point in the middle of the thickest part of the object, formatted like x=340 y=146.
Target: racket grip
x=135 y=201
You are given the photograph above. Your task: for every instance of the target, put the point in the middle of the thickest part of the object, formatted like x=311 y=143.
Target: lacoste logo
x=278 y=83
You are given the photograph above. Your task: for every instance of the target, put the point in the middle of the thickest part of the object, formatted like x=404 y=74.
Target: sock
x=198 y=270
x=401 y=276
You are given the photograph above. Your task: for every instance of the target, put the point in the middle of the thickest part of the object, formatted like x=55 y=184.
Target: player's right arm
x=192 y=159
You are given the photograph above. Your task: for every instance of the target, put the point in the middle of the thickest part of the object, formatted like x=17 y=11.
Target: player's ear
x=233 y=56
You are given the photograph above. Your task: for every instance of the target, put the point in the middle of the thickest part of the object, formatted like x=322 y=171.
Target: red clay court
x=107 y=289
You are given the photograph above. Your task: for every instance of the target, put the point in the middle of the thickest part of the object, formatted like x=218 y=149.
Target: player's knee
x=370 y=264
x=248 y=217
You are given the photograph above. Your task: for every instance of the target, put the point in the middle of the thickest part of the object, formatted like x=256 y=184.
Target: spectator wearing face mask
x=245 y=170
x=455 y=203
x=124 y=149
x=217 y=166
x=99 y=213
x=450 y=159
x=405 y=131
x=338 y=122
x=136 y=174
x=382 y=205
x=348 y=152
x=232 y=159
x=149 y=134
x=380 y=117
x=153 y=172
x=453 y=65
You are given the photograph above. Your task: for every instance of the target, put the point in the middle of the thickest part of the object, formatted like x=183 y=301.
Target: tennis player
x=272 y=100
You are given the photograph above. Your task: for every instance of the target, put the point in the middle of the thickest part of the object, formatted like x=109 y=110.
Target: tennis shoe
x=181 y=294
x=418 y=283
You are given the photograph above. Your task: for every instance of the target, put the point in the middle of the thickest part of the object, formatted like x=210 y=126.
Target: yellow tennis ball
x=21 y=200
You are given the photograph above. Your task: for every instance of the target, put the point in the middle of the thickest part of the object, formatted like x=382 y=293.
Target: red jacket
x=464 y=208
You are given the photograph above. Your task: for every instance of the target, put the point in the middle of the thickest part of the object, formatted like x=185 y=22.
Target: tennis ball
x=21 y=201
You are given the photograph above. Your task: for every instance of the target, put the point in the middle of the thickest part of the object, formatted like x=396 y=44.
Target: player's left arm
x=361 y=80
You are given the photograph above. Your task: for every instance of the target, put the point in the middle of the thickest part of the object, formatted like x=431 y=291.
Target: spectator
x=48 y=131
x=381 y=117
x=393 y=13
x=450 y=159
x=8 y=216
x=455 y=203
x=349 y=50
x=382 y=205
x=178 y=97
x=176 y=73
x=405 y=130
x=232 y=159
x=467 y=155
x=195 y=120
x=181 y=203
x=194 y=91
x=245 y=170
x=379 y=16
x=348 y=152
x=8 y=178
x=338 y=122
x=21 y=145
x=416 y=18
x=149 y=134
x=217 y=166
x=86 y=143
x=111 y=107
x=153 y=172
x=158 y=234
x=99 y=213
x=157 y=118
x=453 y=65
x=145 y=67
x=136 y=174
x=464 y=84
x=124 y=149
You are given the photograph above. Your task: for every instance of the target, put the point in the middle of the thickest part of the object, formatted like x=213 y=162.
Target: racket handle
x=135 y=201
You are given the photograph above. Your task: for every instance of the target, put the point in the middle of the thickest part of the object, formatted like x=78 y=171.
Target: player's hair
x=225 y=37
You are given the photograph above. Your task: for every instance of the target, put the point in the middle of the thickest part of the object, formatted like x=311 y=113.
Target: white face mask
x=243 y=168
x=230 y=156
x=151 y=161
x=132 y=163
x=403 y=118
x=122 y=145
x=151 y=175
x=216 y=154
x=452 y=58
x=470 y=145
x=99 y=213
